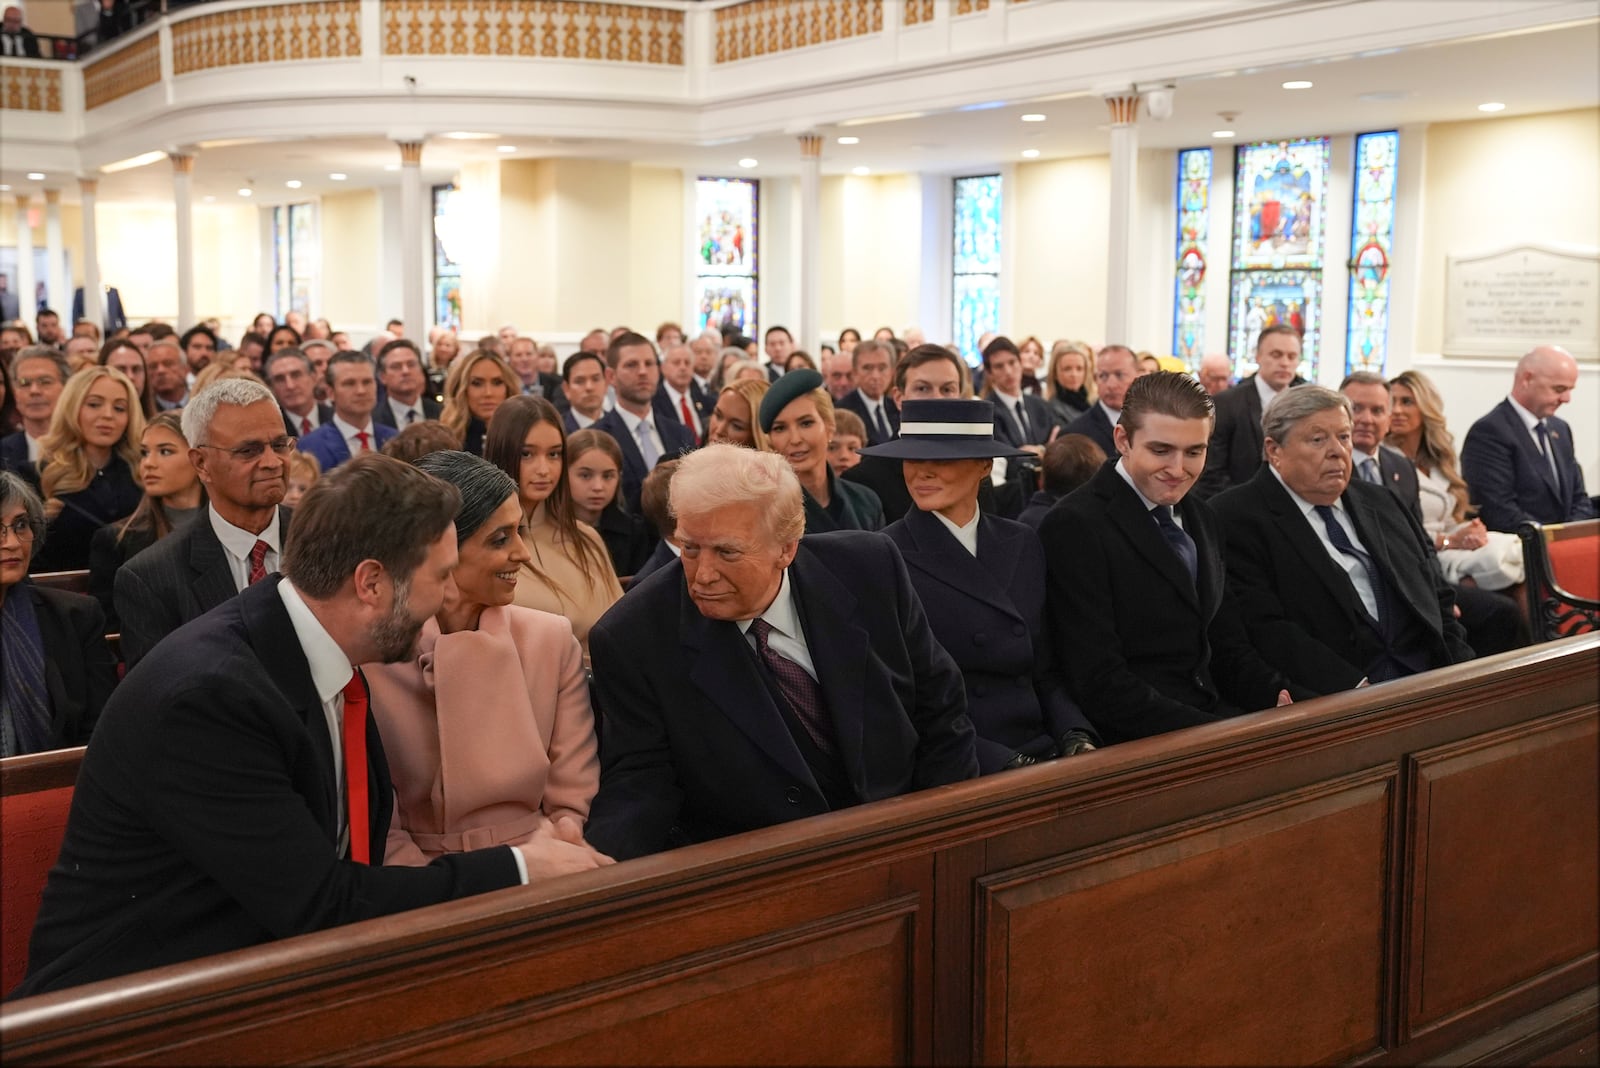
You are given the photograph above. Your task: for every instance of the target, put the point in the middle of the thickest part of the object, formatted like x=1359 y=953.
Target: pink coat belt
x=478 y=837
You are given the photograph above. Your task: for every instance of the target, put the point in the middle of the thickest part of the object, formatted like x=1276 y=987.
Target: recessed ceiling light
x=35 y=176
x=294 y=183
x=1033 y=116
x=747 y=162
x=860 y=170
x=5 y=189
x=849 y=140
x=1492 y=106
x=468 y=135
x=1297 y=85
x=1030 y=153
x=1222 y=134
x=133 y=161
x=337 y=176
x=391 y=166
x=246 y=192
x=505 y=148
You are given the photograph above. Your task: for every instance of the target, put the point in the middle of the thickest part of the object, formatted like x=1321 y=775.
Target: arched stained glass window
x=1371 y=241
x=1280 y=189
x=727 y=282
x=1194 y=228
x=975 y=264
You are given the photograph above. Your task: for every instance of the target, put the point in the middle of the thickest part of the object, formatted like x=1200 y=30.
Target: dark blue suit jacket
x=853 y=402
x=1040 y=423
x=1096 y=426
x=693 y=746
x=1512 y=483
x=675 y=441
x=14 y=457
x=327 y=443
x=988 y=613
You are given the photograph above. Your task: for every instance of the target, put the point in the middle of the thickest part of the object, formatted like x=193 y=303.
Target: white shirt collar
x=675 y=396
x=1529 y=420
x=330 y=668
x=872 y=405
x=1265 y=392
x=1011 y=401
x=1113 y=414
x=966 y=535
x=780 y=615
x=35 y=446
x=350 y=430
x=631 y=421
x=239 y=541
x=400 y=408
x=1146 y=501
x=1307 y=509
x=582 y=420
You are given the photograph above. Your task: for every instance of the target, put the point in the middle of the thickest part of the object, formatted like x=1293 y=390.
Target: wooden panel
x=1256 y=937
x=1504 y=883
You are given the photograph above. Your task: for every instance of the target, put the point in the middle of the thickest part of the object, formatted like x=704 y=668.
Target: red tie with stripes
x=305 y=426
x=258 y=562
x=353 y=733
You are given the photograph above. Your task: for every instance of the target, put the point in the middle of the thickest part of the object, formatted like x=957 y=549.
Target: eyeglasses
x=18 y=526
x=252 y=450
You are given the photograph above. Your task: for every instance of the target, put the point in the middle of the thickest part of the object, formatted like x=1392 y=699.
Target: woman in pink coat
x=488 y=733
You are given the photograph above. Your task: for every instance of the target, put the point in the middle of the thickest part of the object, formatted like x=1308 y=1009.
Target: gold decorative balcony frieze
x=547 y=29
x=275 y=33
x=29 y=88
x=138 y=66
x=768 y=27
x=970 y=7
x=918 y=11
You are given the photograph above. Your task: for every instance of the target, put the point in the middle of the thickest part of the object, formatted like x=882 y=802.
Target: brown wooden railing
x=1389 y=875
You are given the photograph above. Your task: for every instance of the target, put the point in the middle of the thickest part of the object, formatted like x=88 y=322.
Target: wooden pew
x=35 y=794
x=71 y=581
x=1396 y=874
x=1562 y=566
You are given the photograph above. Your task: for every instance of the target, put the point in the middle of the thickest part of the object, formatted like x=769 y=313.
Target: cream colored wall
x=227 y=256
x=351 y=239
x=139 y=256
x=1059 y=290
x=871 y=241
x=591 y=268
x=658 y=262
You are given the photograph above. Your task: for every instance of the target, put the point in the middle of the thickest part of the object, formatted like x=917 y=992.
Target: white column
x=183 y=199
x=413 y=305
x=27 y=303
x=810 y=227
x=60 y=300
x=93 y=299
x=1124 y=107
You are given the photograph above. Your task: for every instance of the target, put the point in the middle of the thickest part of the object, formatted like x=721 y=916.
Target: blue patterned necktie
x=1342 y=542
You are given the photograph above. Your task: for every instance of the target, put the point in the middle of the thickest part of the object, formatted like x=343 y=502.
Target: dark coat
x=1038 y=505
x=693 y=746
x=1040 y=423
x=113 y=494
x=660 y=558
x=850 y=507
x=292 y=425
x=854 y=402
x=194 y=832
x=14 y=457
x=628 y=539
x=328 y=445
x=1237 y=440
x=1096 y=426
x=988 y=613
x=180 y=577
x=1301 y=609
x=675 y=440
x=1145 y=649
x=79 y=670
x=1512 y=483
x=383 y=415
x=107 y=553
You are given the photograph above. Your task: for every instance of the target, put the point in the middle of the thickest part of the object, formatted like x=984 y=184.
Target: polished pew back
x=35 y=796
x=1386 y=875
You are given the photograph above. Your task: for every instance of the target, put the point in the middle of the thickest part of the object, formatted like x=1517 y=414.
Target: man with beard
x=236 y=791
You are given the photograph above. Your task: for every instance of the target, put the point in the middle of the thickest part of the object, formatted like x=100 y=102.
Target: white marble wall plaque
x=1505 y=303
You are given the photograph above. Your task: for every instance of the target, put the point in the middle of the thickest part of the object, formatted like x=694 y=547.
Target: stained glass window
x=1189 y=295
x=294 y=257
x=975 y=286
x=1280 y=189
x=727 y=281
x=448 y=225
x=1371 y=240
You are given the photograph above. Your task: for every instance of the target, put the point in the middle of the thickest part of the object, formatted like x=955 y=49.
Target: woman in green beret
x=797 y=415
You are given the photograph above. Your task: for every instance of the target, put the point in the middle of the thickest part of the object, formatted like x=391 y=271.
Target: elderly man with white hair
x=804 y=677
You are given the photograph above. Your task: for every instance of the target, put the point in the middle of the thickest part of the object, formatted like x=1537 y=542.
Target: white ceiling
x=1546 y=70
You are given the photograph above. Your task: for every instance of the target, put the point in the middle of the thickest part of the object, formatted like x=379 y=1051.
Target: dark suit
x=1039 y=506
x=1040 y=423
x=628 y=538
x=550 y=388
x=1095 y=425
x=850 y=507
x=22 y=44
x=328 y=445
x=291 y=422
x=1302 y=610
x=1145 y=649
x=1237 y=441
x=693 y=745
x=988 y=613
x=662 y=404
x=383 y=415
x=855 y=402
x=675 y=440
x=1512 y=483
x=660 y=558
x=184 y=575
x=205 y=815
x=14 y=457
x=107 y=553
x=79 y=670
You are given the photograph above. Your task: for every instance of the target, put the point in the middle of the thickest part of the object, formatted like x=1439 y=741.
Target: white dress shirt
x=312 y=416
x=632 y=422
x=1113 y=414
x=583 y=421
x=1149 y=505
x=350 y=430
x=1352 y=567
x=1266 y=392
x=238 y=543
x=1011 y=403
x=873 y=408
x=1532 y=422
x=401 y=410
x=787 y=639
x=678 y=401
x=35 y=449
x=966 y=535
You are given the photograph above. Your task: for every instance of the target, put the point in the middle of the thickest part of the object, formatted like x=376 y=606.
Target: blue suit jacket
x=675 y=440
x=1511 y=482
x=327 y=444
x=14 y=457
x=692 y=744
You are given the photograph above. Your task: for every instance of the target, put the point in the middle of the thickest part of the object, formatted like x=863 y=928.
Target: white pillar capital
x=93 y=299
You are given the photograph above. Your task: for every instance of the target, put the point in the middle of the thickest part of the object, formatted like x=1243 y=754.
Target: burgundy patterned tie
x=258 y=562
x=802 y=691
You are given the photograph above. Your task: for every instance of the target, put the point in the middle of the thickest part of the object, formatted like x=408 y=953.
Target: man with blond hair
x=804 y=677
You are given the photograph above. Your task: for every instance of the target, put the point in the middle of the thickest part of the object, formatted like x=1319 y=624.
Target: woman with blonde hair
x=736 y=418
x=569 y=571
x=797 y=415
x=446 y=347
x=474 y=388
x=86 y=465
x=1069 y=382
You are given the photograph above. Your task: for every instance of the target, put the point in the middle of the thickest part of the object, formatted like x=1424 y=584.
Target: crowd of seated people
x=847 y=578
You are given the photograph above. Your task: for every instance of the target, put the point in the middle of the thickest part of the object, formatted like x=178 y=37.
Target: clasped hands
x=558 y=848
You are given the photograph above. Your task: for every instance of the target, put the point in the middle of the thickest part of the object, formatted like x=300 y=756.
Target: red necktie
x=258 y=562
x=688 y=419
x=353 y=733
x=305 y=426
x=362 y=436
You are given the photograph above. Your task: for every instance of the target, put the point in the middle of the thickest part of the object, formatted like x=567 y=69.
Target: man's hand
x=1284 y=698
x=1074 y=742
x=558 y=849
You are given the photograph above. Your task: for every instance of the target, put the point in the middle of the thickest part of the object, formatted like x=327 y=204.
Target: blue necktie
x=1544 y=447
x=647 y=445
x=1179 y=539
x=1369 y=471
x=1342 y=542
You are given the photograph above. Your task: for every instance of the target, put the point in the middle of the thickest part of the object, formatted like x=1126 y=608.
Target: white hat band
x=964 y=430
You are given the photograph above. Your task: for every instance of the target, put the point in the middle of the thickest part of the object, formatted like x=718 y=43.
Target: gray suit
x=179 y=578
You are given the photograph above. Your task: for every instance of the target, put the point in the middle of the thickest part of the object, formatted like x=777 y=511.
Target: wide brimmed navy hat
x=944 y=430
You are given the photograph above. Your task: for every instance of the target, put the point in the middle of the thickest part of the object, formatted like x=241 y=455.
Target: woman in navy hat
x=981 y=579
x=797 y=416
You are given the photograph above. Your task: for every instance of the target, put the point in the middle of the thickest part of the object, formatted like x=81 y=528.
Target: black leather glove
x=1021 y=760
x=1074 y=742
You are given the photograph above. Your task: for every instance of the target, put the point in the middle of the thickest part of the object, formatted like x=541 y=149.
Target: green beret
x=792 y=386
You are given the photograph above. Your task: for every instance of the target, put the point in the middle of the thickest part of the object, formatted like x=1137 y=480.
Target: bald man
x=1518 y=460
